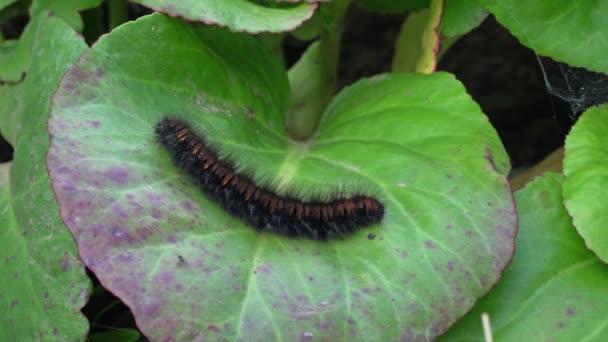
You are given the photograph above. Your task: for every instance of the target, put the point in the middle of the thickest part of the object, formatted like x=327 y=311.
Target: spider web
x=579 y=87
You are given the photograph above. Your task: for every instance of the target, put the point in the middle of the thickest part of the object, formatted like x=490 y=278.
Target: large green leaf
x=238 y=15
x=586 y=166
x=43 y=283
x=186 y=268
x=555 y=289
x=460 y=17
x=574 y=32
x=68 y=10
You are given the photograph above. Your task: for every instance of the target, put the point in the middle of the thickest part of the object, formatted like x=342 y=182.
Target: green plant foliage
x=15 y=55
x=460 y=17
x=585 y=161
x=68 y=10
x=418 y=142
x=237 y=15
x=43 y=283
x=118 y=335
x=418 y=42
x=554 y=290
x=574 y=32
x=6 y=3
x=391 y=6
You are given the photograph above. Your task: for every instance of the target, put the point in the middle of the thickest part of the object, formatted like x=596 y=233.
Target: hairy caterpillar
x=259 y=206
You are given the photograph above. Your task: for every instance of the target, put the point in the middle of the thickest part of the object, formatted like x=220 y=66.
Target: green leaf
x=15 y=55
x=10 y=110
x=392 y=6
x=67 y=10
x=554 y=290
x=237 y=15
x=5 y=3
x=574 y=32
x=460 y=17
x=417 y=142
x=44 y=284
x=418 y=42
x=585 y=165
x=119 y=335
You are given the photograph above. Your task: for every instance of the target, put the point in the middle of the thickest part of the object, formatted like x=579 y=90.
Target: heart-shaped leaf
x=555 y=289
x=585 y=165
x=43 y=283
x=237 y=15
x=574 y=32
x=187 y=269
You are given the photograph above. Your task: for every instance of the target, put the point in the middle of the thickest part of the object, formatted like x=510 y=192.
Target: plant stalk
x=313 y=78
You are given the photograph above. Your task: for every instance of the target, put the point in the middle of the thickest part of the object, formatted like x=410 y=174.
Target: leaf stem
x=313 y=77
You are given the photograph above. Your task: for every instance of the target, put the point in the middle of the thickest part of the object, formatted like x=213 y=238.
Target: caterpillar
x=259 y=206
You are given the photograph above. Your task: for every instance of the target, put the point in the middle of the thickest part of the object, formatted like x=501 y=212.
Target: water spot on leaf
x=307 y=335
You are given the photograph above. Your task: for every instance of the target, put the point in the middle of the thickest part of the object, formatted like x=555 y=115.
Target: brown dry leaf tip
x=299 y=210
